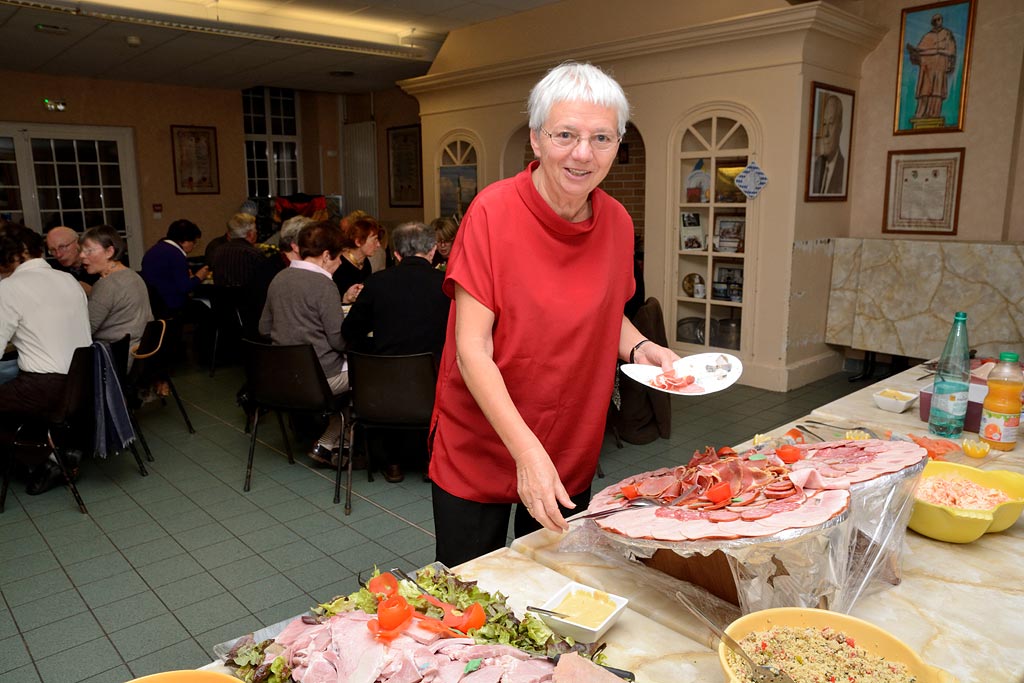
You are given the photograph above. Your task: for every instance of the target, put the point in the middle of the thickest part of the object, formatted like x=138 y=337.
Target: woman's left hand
x=541 y=490
x=652 y=354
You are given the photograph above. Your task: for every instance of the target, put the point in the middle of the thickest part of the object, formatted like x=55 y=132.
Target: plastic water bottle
x=952 y=379
x=1000 y=414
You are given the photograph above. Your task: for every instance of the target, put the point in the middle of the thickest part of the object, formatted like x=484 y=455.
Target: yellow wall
x=757 y=58
x=149 y=110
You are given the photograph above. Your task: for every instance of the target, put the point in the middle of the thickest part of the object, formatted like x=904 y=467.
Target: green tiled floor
x=168 y=565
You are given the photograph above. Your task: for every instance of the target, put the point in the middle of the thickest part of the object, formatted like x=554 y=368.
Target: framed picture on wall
x=405 y=170
x=931 y=80
x=922 y=194
x=194 y=151
x=828 y=146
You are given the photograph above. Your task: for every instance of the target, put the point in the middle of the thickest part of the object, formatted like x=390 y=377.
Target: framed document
x=405 y=170
x=922 y=194
x=194 y=150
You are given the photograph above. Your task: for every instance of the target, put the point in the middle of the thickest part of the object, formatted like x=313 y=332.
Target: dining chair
x=390 y=392
x=152 y=352
x=290 y=378
x=120 y=350
x=226 y=305
x=56 y=433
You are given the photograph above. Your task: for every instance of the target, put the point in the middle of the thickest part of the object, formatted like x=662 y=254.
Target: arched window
x=457 y=181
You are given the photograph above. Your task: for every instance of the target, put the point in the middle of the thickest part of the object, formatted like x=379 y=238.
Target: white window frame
x=125 y=140
x=269 y=138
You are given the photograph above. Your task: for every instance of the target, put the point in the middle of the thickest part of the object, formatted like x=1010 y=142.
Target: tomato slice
x=725 y=451
x=796 y=435
x=383 y=585
x=475 y=617
x=394 y=612
x=788 y=454
x=630 y=491
x=719 y=492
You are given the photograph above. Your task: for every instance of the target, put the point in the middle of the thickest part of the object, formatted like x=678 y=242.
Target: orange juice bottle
x=1000 y=413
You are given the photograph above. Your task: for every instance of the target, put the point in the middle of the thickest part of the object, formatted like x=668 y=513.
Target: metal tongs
x=639 y=503
x=759 y=672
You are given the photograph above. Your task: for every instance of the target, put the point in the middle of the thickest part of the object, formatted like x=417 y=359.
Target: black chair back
x=285 y=377
x=393 y=390
x=119 y=352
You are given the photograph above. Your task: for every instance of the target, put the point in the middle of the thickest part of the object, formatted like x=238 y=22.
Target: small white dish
x=893 y=400
x=705 y=380
x=578 y=632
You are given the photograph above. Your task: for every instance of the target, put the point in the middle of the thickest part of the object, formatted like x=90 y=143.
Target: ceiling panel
x=97 y=48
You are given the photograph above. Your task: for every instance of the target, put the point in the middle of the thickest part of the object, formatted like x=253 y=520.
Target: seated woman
x=445 y=228
x=119 y=301
x=304 y=307
x=361 y=238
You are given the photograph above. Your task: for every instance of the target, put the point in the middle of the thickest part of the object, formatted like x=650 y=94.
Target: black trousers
x=466 y=529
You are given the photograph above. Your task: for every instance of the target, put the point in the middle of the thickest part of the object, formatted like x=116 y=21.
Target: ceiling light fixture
x=133 y=41
x=401 y=50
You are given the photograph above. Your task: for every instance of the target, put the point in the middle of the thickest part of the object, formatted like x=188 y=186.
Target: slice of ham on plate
x=710 y=372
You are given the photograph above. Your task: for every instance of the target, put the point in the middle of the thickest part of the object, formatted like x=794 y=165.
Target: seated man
x=407 y=313
x=245 y=269
x=45 y=314
x=62 y=243
x=237 y=262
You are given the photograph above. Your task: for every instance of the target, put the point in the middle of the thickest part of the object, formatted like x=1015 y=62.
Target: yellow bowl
x=956 y=525
x=868 y=636
x=186 y=676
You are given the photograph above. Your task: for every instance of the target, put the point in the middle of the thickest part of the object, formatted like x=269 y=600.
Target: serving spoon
x=760 y=672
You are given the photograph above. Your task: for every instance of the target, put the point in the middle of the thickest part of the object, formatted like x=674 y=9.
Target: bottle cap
x=1007 y=357
x=960 y=315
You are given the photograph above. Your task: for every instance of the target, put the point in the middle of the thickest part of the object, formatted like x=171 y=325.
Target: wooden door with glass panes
x=710 y=238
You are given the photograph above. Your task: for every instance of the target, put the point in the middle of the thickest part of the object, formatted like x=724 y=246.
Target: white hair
x=290 y=230
x=240 y=224
x=576 y=82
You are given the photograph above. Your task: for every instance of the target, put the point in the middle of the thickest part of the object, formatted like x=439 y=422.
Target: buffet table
x=958 y=606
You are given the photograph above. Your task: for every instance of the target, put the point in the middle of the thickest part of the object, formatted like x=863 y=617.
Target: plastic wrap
x=879 y=512
x=827 y=566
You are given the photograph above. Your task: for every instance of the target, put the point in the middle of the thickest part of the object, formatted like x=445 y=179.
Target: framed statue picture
x=922 y=191
x=931 y=81
x=828 y=146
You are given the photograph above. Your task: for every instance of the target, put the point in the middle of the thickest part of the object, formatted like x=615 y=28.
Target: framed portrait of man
x=828 y=145
x=931 y=81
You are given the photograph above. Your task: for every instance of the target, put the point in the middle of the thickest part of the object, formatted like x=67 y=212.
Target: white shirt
x=46 y=314
x=306 y=265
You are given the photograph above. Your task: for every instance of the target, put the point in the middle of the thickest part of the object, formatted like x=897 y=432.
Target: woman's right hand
x=541 y=490
x=351 y=294
x=203 y=272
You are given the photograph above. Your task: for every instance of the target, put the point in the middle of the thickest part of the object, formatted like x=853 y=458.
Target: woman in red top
x=539 y=273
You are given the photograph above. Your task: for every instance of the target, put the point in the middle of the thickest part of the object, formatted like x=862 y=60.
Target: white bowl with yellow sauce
x=591 y=612
x=892 y=400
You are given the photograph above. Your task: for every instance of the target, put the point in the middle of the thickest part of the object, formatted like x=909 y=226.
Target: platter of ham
x=703 y=373
x=750 y=495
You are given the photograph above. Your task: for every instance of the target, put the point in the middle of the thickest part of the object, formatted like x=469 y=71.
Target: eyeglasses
x=88 y=251
x=63 y=247
x=566 y=139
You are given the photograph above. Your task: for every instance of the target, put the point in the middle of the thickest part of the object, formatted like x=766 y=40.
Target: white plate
x=695 y=365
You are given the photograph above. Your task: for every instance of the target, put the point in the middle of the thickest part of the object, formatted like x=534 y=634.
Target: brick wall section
x=625 y=181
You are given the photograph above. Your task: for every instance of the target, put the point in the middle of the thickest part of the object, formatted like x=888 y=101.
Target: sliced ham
x=572 y=668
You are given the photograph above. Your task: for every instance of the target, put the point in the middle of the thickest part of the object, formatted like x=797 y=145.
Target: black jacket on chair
x=644 y=414
x=405 y=309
